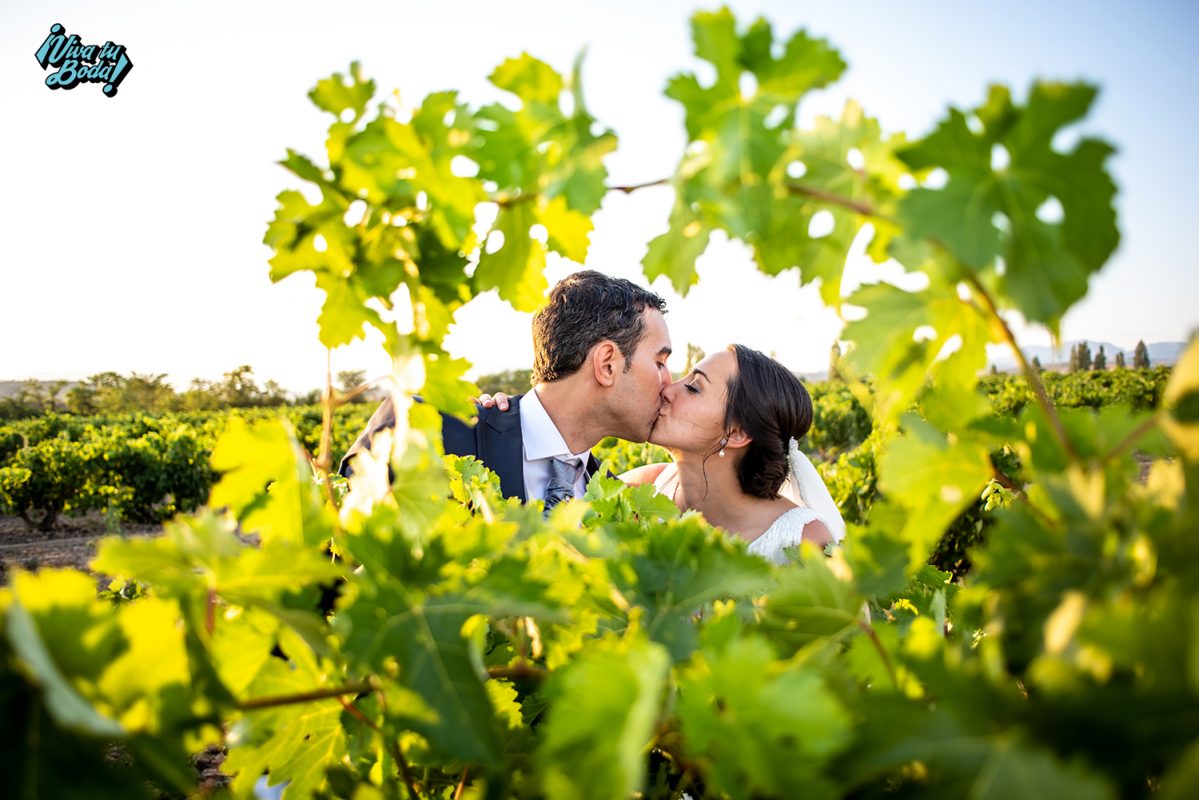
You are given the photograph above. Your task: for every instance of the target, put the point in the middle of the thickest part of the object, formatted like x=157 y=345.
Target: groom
x=599 y=366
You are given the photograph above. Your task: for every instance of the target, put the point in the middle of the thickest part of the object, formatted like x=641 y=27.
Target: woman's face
x=693 y=407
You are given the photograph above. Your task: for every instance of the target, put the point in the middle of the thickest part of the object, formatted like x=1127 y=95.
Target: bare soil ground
x=70 y=543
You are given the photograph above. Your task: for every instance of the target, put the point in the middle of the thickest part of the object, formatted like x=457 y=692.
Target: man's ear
x=606 y=361
x=736 y=438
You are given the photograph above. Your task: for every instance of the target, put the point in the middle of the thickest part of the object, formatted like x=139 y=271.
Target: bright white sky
x=132 y=226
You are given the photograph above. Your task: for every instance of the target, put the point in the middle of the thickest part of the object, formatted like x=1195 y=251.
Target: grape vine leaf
x=1013 y=769
x=386 y=621
x=296 y=742
x=339 y=93
x=734 y=174
x=675 y=252
x=990 y=210
x=809 y=603
x=759 y=726
x=901 y=342
x=268 y=483
x=1181 y=398
x=517 y=267
x=604 y=707
x=935 y=476
x=69 y=615
x=677 y=568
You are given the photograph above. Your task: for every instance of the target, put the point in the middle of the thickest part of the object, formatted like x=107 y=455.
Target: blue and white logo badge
x=76 y=62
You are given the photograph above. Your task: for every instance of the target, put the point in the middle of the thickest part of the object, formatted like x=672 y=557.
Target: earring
x=721 y=453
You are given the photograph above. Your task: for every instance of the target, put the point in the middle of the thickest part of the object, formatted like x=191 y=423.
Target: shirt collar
x=539 y=434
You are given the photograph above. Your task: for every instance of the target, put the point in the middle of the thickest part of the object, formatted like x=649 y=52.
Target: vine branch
x=518 y=672
x=305 y=697
x=635 y=186
x=882 y=652
x=461 y=784
x=1030 y=374
x=857 y=206
x=1136 y=433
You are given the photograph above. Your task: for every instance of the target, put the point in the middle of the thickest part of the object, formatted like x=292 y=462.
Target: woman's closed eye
x=691 y=387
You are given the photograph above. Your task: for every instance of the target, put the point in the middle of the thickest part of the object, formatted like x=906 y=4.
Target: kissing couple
x=732 y=424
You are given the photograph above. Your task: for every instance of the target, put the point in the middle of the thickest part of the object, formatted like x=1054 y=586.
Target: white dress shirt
x=542 y=441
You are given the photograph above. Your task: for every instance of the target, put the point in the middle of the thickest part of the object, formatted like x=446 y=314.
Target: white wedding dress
x=784 y=532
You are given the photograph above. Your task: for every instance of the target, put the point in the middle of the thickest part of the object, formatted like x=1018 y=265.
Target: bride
x=732 y=425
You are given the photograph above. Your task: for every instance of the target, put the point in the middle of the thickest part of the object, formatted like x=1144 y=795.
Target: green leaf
x=986 y=212
x=959 y=216
x=202 y=553
x=268 y=483
x=568 y=230
x=1181 y=398
x=900 y=343
x=441 y=131
x=344 y=313
x=674 y=253
x=540 y=149
x=517 y=268
x=677 y=568
x=1016 y=770
x=878 y=556
x=934 y=475
x=604 y=710
x=297 y=742
x=758 y=726
x=63 y=701
x=338 y=92
x=530 y=79
x=425 y=637
x=810 y=603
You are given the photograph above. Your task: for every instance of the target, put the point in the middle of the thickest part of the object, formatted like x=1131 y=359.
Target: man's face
x=639 y=388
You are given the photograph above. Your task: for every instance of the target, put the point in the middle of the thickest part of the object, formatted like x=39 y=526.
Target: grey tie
x=562 y=482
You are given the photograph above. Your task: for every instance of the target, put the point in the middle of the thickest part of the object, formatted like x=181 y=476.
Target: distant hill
x=1160 y=353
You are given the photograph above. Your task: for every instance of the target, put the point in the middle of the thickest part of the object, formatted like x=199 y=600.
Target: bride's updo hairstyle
x=770 y=404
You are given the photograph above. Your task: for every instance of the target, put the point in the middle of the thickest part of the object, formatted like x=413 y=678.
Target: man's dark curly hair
x=584 y=309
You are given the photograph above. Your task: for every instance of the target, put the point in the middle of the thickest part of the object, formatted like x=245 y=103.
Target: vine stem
x=393 y=746
x=629 y=189
x=328 y=692
x=325 y=457
x=882 y=652
x=461 y=784
x=1134 y=434
x=1030 y=374
x=865 y=209
x=824 y=196
x=517 y=672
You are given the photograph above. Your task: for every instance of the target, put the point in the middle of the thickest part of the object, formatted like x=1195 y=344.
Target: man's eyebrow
x=665 y=351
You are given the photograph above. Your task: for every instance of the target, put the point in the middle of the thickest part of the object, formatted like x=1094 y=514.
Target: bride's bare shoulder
x=641 y=475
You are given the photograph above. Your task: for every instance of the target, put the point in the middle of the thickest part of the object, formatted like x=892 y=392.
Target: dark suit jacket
x=495 y=440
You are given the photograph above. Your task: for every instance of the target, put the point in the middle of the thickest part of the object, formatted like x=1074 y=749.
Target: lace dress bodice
x=784 y=532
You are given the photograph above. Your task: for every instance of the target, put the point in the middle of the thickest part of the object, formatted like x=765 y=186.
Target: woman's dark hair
x=584 y=309
x=770 y=404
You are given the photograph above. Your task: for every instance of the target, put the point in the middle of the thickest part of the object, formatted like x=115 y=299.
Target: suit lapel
x=502 y=449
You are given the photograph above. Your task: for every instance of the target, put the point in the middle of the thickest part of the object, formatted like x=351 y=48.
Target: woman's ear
x=606 y=361
x=735 y=438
